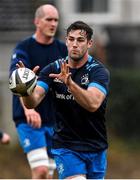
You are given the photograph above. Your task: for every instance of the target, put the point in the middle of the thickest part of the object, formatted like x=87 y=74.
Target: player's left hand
x=64 y=75
x=21 y=65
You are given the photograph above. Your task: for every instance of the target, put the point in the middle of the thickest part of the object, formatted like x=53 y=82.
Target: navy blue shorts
x=70 y=163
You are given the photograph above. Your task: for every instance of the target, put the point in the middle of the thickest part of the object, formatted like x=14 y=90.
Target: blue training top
x=75 y=127
x=32 y=53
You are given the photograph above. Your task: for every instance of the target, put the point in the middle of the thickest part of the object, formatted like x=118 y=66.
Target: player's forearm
x=22 y=103
x=83 y=97
x=29 y=102
x=34 y=99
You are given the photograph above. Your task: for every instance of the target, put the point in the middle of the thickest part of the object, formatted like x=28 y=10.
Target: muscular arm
x=90 y=99
x=35 y=98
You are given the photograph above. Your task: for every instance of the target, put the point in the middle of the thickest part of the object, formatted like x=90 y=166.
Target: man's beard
x=77 y=59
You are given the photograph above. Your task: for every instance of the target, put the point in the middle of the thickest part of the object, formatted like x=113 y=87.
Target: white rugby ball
x=22 y=81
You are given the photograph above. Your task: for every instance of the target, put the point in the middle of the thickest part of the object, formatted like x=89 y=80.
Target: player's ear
x=90 y=43
x=36 y=22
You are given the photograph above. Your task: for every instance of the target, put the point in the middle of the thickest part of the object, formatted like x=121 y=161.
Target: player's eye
x=80 y=39
x=56 y=20
x=51 y=19
x=48 y=19
x=71 y=39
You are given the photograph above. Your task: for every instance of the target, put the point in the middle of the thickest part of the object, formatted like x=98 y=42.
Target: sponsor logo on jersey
x=57 y=80
x=64 y=96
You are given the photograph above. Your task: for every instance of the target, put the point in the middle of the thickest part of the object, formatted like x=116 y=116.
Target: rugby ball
x=22 y=81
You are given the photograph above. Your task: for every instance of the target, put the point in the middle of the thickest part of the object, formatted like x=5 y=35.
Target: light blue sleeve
x=101 y=88
x=43 y=85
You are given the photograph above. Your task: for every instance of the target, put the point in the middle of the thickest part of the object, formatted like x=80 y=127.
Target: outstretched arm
x=35 y=98
x=38 y=94
x=90 y=99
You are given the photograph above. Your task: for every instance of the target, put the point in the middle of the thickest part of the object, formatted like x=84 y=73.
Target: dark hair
x=83 y=26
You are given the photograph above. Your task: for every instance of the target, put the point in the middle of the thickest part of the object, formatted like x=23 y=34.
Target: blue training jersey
x=32 y=53
x=76 y=128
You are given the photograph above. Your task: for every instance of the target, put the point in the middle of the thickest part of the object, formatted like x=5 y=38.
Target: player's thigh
x=48 y=134
x=68 y=163
x=31 y=138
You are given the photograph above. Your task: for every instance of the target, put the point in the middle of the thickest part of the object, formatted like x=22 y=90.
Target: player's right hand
x=64 y=75
x=33 y=118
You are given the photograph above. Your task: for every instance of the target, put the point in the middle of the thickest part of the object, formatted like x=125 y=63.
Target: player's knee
x=40 y=172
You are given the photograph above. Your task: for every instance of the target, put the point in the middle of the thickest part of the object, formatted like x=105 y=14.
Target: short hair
x=39 y=12
x=82 y=26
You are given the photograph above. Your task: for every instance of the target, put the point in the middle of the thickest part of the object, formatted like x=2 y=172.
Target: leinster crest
x=84 y=79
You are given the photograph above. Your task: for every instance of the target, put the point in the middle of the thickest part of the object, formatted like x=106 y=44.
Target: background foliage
x=123 y=112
